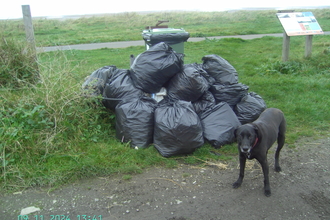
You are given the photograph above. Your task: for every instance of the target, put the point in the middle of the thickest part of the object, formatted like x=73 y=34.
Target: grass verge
x=129 y=26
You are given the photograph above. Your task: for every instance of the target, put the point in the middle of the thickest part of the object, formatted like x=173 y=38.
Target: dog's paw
x=278 y=169
x=236 y=185
x=268 y=193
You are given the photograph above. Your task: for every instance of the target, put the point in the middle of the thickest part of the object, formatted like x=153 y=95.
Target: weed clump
x=18 y=66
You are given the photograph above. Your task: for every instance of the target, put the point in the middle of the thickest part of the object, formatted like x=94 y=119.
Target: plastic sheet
x=95 y=83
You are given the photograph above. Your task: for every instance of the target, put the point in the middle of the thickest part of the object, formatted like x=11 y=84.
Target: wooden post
x=308 y=46
x=30 y=34
x=285 y=47
x=28 y=26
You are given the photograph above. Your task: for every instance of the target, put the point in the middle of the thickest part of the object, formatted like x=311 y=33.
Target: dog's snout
x=245 y=148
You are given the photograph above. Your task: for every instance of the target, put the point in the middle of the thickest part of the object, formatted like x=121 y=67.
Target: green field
x=129 y=26
x=50 y=134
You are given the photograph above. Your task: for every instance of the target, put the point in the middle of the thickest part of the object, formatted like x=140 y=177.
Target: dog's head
x=247 y=137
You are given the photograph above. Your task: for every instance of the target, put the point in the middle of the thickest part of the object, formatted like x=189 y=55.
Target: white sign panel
x=299 y=23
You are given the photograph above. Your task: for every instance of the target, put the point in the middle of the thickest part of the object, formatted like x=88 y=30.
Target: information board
x=299 y=23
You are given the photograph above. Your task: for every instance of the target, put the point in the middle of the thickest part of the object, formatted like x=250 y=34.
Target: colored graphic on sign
x=299 y=23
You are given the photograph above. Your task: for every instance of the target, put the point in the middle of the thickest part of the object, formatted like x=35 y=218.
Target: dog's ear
x=256 y=130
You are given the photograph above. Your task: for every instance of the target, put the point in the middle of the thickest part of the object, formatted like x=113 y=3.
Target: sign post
x=308 y=46
x=285 y=47
x=297 y=24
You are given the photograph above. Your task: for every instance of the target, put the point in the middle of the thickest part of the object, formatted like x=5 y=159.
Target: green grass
x=18 y=66
x=129 y=26
x=51 y=135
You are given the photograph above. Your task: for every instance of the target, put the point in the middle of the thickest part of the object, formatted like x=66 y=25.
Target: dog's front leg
x=242 y=161
x=265 y=169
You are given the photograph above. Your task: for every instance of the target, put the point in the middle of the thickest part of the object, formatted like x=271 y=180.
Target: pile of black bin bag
x=204 y=102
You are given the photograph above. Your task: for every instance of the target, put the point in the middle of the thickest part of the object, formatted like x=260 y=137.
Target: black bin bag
x=169 y=38
x=135 y=121
x=231 y=94
x=178 y=129
x=206 y=101
x=219 y=123
x=95 y=83
x=154 y=67
x=250 y=107
x=220 y=69
x=189 y=84
x=118 y=87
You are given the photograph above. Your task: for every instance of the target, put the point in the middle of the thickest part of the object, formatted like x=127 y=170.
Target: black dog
x=255 y=139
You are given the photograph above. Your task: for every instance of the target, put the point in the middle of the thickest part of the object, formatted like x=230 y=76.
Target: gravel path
x=301 y=191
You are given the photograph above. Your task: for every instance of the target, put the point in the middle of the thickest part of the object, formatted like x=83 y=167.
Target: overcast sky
x=48 y=8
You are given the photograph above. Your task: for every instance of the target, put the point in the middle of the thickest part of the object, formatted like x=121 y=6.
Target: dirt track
x=300 y=191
